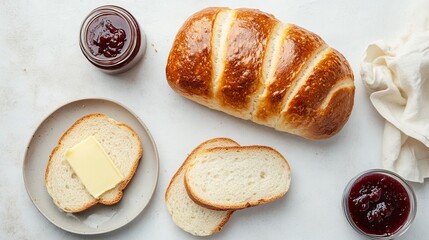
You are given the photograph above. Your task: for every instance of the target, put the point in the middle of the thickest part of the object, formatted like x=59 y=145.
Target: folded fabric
x=397 y=77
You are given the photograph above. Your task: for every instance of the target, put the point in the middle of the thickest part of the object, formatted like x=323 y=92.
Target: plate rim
x=153 y=143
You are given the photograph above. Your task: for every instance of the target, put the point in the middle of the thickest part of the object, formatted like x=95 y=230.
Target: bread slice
x=120 y=142
x=231 y=178
x=186 y=214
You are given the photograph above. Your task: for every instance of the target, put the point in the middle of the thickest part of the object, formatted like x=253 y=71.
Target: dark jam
x=111 y=39
x=107 y=36
x=378 y=204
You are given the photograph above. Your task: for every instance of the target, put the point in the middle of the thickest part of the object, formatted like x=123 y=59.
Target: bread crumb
x=153 y=45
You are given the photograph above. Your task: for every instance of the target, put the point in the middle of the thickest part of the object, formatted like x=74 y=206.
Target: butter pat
x=93 y=166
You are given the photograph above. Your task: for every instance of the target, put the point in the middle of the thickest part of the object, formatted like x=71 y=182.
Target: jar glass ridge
x=411 y=195
x=132 y=51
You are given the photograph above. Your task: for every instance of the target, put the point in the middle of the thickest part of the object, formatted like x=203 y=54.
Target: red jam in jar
x=108 y=36
x=111 y=39
x=379 y=204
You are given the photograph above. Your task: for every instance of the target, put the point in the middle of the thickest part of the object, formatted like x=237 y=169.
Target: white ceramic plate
x=100 y=218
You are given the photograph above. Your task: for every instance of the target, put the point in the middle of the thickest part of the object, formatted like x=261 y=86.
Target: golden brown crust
x=246 y=44
x=297 y=49
x=189 y=69
x=241 y=90
x=331 y=119
x=304 y=110
x=224 y=221
x=125 y=182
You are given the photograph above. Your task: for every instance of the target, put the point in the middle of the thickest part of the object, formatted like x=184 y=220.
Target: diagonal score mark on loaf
x=301 y=79
x=320 y=94
x=238 y=63
x=295 y=55
x=221 y=28
x=347 y=82
x=235 y=61
x=270 y=62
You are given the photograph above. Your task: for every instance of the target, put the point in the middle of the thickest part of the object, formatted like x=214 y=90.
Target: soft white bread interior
x=119 y=141
x=248 y=64
x=230 y=178
x=186 y=214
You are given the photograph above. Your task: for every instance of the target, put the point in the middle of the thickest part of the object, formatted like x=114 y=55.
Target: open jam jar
x=111 y=39
x=379 y=204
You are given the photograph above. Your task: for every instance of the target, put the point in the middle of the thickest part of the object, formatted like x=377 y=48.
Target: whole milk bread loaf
x=246 y=63
x=121 y=143
x=186 y=214
x=231 y=178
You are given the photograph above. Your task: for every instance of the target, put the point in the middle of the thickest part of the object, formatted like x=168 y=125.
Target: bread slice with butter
x=119 y=141
x=186 y=214
x=232 y=178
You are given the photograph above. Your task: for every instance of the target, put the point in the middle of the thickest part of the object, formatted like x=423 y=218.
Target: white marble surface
x=42 y=68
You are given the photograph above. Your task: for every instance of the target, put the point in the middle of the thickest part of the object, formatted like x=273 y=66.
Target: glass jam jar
x=379 y=204
x=111 y=39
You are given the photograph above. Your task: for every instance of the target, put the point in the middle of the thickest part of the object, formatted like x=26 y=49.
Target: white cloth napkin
x=397 y=77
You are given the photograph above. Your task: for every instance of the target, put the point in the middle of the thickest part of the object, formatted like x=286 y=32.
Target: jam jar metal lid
x=111 y=39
